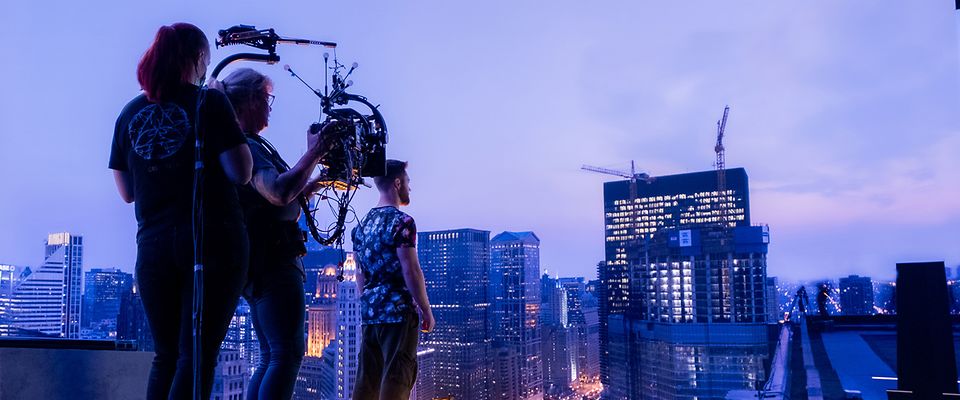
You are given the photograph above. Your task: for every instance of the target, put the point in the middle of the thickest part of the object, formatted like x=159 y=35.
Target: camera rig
x=356 y=147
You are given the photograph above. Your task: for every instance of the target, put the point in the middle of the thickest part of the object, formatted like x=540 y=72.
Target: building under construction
x=684 y=288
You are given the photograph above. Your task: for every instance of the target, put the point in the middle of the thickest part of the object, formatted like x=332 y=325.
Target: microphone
x=286 y=67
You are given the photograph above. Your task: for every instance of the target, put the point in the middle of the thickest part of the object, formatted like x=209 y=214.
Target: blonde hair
x=244 y=86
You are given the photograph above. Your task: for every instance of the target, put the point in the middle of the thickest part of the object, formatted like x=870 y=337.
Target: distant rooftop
x=525 y=237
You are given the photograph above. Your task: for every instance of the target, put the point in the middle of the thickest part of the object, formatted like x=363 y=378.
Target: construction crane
x=721 y=166
x=633 y=176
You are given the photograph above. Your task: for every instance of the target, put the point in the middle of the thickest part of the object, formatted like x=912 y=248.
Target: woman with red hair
x=153 y=164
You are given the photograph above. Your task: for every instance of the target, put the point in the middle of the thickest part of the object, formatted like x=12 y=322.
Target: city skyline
x=847 y=125
x=566 y=325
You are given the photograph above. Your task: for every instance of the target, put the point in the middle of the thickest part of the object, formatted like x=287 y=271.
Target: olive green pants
x=388 y=360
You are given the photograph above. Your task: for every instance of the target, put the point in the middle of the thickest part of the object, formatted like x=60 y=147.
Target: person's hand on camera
x=427 y=323
x=319 y=136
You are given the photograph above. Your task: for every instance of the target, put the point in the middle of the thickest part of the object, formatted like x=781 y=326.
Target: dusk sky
x=844 y=114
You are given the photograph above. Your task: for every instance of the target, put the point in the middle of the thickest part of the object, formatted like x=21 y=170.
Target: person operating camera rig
x=272 y=204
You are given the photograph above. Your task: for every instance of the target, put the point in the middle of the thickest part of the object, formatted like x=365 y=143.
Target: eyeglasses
x=270 y=99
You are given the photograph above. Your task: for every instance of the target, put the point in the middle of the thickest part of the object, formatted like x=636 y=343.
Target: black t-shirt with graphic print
x=155 y=143
x=385 y=297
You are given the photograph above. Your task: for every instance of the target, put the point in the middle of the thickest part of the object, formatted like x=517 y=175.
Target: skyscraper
x=310 y=379
x=583 y=320
x=348 y=330
x=683 y=291
x=515 y=304
x=559 y=339
x=773 y=300
x=230 y=377
x=8 y=279
x=676 y=201
x=856 y=295
x=590 y=362
x=132 y=326
x=242 y=338
x=316 y=266
x=47 y=300
x=322 y=313
x=102 y=290
x=425 y=387
x=456 y=267
x=885 y=297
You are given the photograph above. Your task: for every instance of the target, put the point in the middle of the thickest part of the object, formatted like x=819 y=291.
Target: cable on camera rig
x=356 y=149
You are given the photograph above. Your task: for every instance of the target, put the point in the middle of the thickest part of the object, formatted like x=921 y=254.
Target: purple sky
x=843 y=113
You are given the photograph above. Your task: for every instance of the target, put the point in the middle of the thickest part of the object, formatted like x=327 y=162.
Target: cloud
x=916 y=189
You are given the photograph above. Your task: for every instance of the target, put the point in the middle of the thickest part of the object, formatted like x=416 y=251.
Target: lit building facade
x=132 y=326
x=558 y=340
x=683 y=294
x=316 y=267
x=47 y=301
x=584 y=321
x=322 y=313
x=8 y=280
x=856 y=295
x=310 y=379
x=425 y=386
x=515 y=304
x=456 y=267
x=102 y=291
x=505 y=372
x=589 y=361
x=675 y=201
x=242 y=338
x=348 y=330
x=230 y=377
x=773 y=300
x=885 y=297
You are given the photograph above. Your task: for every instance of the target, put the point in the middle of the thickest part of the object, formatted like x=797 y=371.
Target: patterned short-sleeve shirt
x=385 y=297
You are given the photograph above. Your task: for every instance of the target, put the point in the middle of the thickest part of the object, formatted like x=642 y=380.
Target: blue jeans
x=278 y=309
x=165 y=280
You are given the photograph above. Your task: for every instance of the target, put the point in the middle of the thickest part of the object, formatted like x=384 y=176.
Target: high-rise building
x=589 y=363
x=515 y=304
x=317 y=379
x=675 y=201
x=230 y=377
x=953 y=296
x=583 y=320
x=425 y=386
x=322 y=313
x=46 y=302
x=348 y=330
x=773 y=300
x=242 y=337
x=856 y=295
x=132 y=325
x=8 y=280
x=328 y=373
x=593 y=287
x=310 y=379
x=102 y=291
x=456 y=266
x=559 y=339
x=684 y=288
x=505 y=372
x=317 y=264
x=885 y=296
